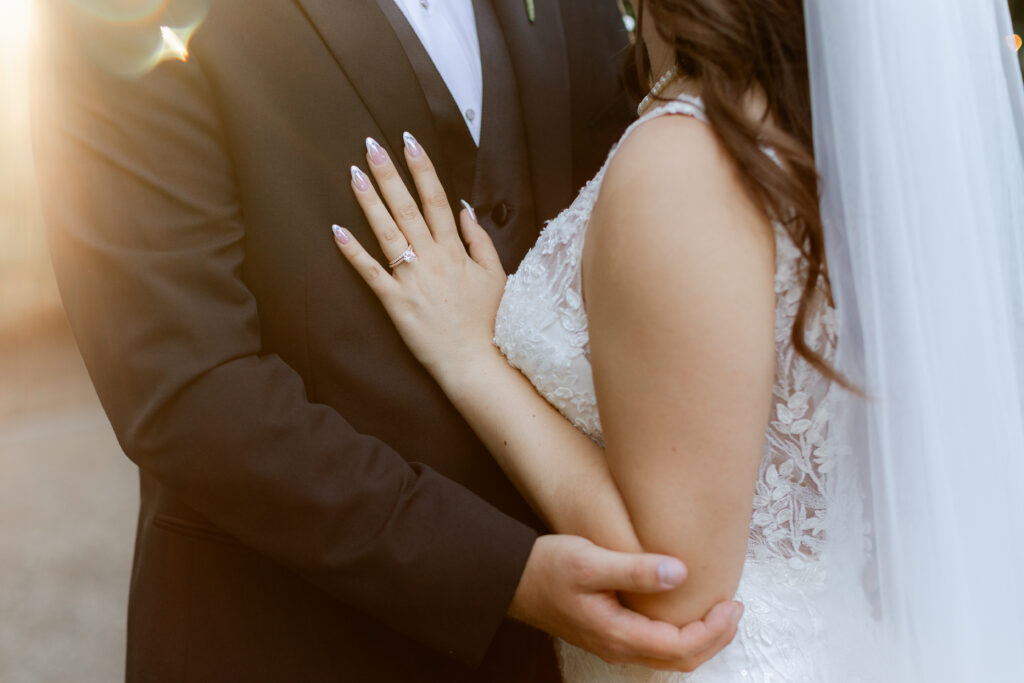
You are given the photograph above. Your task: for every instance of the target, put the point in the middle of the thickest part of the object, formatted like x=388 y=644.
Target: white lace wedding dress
x=542 y=329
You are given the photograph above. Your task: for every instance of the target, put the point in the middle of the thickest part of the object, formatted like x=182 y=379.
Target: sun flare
x=15 y=26
x=175 y=43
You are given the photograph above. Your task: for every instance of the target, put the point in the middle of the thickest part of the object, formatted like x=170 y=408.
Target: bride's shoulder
x=669 y=137
x=671 y=173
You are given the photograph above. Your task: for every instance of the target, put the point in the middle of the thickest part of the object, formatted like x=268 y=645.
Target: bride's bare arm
x=444 y=305
x=678 y=272
x=562 y=473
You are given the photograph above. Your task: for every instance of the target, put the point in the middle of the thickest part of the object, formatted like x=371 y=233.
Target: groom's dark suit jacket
x=312 y=507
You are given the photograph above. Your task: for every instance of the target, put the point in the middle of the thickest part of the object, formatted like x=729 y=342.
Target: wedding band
x=407 y=256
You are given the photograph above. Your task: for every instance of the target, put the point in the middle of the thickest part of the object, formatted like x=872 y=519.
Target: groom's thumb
x=635 y=573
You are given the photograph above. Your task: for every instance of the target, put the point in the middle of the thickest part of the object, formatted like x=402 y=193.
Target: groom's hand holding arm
x=569 y=589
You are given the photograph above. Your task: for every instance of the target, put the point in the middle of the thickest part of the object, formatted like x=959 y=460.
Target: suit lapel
x=455 y=158
x=541 y=63
x=366 y=47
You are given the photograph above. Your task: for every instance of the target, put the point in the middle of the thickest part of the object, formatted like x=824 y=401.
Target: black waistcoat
x=494 y=178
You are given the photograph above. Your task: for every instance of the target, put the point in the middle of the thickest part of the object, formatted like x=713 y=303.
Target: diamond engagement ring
x=407 y=256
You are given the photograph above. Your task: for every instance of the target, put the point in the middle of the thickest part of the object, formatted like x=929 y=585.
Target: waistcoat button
x=501 y=214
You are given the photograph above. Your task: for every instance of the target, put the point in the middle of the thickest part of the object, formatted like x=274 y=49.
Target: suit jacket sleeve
x=148 y=244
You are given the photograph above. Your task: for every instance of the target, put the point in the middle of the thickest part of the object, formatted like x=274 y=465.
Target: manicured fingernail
x=472 y=213
x=340 y=234
x=737 y=614
x=377 y=154
x=412 y=144
x=671 y=573
x=360 y=180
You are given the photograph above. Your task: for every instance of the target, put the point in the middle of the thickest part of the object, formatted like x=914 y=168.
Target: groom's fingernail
x=671 y=573
x=737 y=614
x=412 y=144
x=359 y=179
x=377 y=154
x=340 y=234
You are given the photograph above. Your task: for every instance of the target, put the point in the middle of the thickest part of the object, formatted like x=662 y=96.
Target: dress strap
x=687 y=105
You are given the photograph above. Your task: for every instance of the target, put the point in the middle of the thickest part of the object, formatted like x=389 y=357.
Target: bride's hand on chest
x=442 y=297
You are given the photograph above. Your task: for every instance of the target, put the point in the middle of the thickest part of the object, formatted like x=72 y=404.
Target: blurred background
x=68 y=497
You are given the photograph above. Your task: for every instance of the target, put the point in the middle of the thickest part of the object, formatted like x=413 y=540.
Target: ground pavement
x=68 y=501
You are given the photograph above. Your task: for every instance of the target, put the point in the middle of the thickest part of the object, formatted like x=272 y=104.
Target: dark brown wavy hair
x=731 y=48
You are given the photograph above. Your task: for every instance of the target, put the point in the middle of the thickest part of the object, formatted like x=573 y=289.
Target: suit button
x=501 y=214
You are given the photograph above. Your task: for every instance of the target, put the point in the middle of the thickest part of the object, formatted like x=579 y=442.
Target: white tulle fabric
x=542 y=329
x=919 y=138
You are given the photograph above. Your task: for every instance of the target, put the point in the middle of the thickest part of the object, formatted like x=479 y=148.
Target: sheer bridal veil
x=919 y=135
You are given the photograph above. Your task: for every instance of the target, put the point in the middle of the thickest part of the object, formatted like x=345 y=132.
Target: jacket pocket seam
x=193 y=529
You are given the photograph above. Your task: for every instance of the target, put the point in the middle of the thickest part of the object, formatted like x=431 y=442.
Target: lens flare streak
x=175 y=45
x=131 y=38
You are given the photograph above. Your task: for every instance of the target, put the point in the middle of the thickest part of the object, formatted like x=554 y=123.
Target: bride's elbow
x=704 y=588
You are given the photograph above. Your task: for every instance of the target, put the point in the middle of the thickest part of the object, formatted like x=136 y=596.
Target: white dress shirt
x=447 y=29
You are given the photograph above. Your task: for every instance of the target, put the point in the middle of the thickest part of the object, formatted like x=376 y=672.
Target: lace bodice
x=541 y=328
